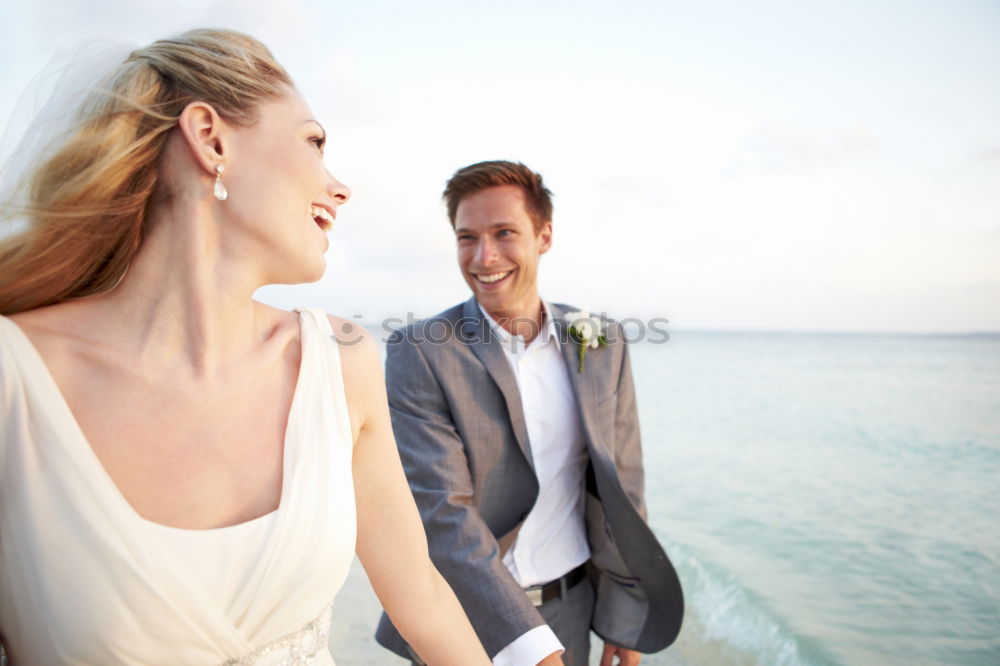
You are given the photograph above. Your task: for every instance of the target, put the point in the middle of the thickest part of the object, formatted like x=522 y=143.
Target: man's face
x=498 y=251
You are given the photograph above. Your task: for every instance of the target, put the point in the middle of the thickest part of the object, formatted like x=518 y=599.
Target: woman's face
x=280 y=193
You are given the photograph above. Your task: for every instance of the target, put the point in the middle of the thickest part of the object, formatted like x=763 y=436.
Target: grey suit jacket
x=457 y=417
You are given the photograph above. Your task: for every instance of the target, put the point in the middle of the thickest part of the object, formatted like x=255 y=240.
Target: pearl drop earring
x=219 y=190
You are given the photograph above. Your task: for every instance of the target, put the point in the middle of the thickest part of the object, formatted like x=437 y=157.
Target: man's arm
x=657 y=596
x=628 y=462
x=628 y=444
x=461 y=545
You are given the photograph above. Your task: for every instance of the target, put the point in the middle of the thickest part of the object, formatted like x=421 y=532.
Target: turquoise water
x=830 y=499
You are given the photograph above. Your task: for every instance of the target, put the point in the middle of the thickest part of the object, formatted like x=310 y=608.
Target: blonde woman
x=186 y=473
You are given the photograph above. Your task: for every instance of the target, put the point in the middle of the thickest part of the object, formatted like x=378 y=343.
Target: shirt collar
x=548 y=331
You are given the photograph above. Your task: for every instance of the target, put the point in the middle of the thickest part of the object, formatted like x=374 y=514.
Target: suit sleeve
x=628 y=444
x=461 y=545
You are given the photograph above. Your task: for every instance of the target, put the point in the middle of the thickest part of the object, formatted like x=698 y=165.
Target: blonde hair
x=86 y=204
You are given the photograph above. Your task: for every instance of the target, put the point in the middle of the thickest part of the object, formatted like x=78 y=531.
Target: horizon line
x=783 y=331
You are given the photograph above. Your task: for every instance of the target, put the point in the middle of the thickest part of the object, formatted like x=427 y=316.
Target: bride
x=186 y=473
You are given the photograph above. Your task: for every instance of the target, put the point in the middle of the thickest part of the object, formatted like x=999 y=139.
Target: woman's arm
x=391 y=542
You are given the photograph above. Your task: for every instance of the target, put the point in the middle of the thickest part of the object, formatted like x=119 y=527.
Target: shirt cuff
x=529 y=648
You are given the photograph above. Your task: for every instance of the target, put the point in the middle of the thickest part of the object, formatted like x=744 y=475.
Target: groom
x=524 y=461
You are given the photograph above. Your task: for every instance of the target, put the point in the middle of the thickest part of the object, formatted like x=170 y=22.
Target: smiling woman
x=288 y=197
x=186 y=473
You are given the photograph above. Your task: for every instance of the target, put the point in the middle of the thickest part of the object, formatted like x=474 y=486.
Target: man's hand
x=554 y=659
x=626 y=657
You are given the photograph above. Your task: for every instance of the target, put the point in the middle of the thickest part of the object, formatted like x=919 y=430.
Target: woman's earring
x=219 y=190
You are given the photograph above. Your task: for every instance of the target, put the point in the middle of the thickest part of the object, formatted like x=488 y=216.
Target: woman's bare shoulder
x=361 y=365
x=357 y=344
x=49 y=319
x=58 y=331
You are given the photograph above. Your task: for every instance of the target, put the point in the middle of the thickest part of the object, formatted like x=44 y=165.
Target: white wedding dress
x=85 y=580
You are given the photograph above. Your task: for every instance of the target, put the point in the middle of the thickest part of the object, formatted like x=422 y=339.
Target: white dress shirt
x=553 y=539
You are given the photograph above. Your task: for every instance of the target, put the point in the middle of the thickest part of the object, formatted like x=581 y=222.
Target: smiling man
x=526 y=463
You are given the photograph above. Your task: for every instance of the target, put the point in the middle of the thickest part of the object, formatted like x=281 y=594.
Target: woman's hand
x=625 y=656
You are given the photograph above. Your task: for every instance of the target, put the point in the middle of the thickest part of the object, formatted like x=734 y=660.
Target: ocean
x=829 y=499
x=826 y=499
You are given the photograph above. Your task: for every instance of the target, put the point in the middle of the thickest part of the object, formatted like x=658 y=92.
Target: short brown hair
x=483 y=175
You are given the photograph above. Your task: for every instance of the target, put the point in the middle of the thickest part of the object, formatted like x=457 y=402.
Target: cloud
x=988 y=155
x=783 y=148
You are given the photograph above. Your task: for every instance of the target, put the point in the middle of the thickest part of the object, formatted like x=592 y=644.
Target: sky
x=757 y=165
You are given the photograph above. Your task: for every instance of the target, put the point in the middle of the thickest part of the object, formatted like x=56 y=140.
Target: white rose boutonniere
x=587 y=331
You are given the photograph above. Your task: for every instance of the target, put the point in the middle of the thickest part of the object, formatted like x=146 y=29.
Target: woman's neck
x=185 y=299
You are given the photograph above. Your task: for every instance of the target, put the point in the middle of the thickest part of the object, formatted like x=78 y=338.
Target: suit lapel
x=486 y=346
x=584 y=383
